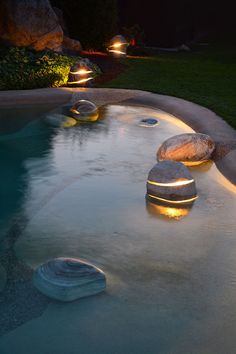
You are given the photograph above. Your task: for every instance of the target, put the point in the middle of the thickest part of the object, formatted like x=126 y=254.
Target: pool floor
x=80 y=192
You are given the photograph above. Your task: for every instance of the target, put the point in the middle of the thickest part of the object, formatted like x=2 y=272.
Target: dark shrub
x=21 y=68
x=92 y=22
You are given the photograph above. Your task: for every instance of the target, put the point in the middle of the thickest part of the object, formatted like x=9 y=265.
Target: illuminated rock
x=80 y=74
x=171 y=182
x=58 y=120
x=30 y=23
x=191 y=149
x=84 y=111
x=118 y=47
x=68 y=279
x=3 y=278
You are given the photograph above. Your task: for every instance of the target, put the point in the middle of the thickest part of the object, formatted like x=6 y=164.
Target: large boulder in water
x=191 y=149
x=171 y=182
x=30 y=23
x=68 y=279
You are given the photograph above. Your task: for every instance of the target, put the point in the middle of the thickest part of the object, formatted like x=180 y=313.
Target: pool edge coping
x=199 y=118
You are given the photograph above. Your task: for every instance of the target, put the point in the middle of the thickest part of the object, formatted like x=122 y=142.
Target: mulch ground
x=109 y=66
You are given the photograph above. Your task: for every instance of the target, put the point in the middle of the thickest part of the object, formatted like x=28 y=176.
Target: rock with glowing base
x=118 y=47
x=58 y=120
x=68 y=279
x=171 y=182
x=84 y=111
x=80 y=74
x=191 y=149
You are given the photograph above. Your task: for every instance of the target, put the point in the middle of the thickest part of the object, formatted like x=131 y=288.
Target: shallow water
x=81 y=192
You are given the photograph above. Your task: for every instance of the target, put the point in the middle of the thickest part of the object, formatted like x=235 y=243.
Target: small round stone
x=191 y=149
x=84 y=111
x=171 y=182
x=68 y=279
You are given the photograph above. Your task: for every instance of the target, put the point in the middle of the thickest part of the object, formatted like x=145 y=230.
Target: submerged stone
x=68 y=279
x=191 y=149
x=171 y=182
x=84 y=111
x=58 y=120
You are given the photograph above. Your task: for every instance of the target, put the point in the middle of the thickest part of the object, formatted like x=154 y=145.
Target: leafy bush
x=21 y=68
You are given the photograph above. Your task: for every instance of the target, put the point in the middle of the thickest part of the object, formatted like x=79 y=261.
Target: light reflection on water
x=171 y=273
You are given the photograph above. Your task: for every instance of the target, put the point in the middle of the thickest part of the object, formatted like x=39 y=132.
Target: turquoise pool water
x=171 y=276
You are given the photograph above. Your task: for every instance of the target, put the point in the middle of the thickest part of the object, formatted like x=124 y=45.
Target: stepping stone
x=68 y=279
x=191 y=149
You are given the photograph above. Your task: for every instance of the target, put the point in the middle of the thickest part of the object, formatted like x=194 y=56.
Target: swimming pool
x=80 y=192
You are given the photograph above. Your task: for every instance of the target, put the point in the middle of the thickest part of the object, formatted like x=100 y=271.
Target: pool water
x=80 y=192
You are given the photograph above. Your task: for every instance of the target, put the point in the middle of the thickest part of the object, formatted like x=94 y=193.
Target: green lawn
x=206 y=75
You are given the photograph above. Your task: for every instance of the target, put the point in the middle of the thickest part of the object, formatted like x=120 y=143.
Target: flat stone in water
x=191 y=149
x=68 y=279
x=148 y=122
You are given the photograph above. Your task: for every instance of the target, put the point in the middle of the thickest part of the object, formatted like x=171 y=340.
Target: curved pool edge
x=199 y=118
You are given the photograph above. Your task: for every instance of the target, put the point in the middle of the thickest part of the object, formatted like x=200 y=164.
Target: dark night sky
x=168 y=22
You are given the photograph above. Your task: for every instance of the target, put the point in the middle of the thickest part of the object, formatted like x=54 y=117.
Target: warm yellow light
x=80 y=81
x=174 y=201
x=116 y=51
x=172 y=184
x=117 y=45
x=81 y=72
x=170 y=212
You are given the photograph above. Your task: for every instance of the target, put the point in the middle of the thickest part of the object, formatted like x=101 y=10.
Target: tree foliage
x=92 y=22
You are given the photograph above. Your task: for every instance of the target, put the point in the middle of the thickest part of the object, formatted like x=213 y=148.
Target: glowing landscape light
x=170 y=182
x=118 y=46
x=80 y=74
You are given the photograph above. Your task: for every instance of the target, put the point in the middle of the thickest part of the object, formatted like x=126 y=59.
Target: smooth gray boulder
x=191 y=149
x=171 y=182
x=68 y=279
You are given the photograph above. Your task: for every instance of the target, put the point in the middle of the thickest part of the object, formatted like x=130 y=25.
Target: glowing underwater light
x=183 y=201
x=170 y=182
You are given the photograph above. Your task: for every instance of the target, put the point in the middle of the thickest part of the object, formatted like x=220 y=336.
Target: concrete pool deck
x=199 y=118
